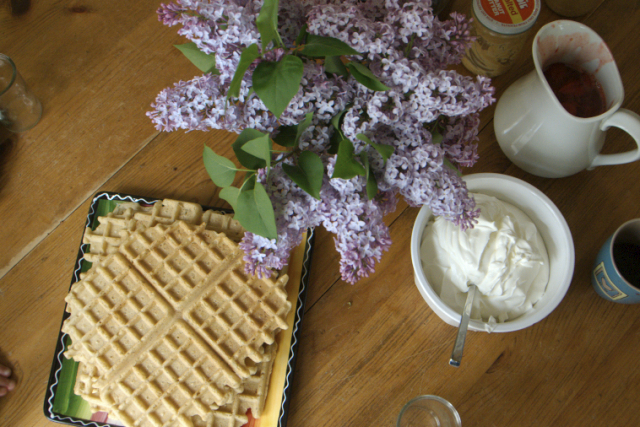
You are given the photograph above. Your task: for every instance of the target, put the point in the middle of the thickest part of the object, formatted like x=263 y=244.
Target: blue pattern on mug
x=606 y=278
x=605 y=285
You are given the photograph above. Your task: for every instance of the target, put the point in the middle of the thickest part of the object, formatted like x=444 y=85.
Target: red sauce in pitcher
x=578 y=92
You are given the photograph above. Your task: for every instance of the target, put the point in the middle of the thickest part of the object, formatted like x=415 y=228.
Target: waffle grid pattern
x=168 y=386
x=186 y=280
x=112 y=309
x=128 y=217
x=236 y=314
x=253 y=397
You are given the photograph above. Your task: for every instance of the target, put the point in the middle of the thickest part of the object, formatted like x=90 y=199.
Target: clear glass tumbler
x=572 y=8
x=20 y=110
x=428 y=411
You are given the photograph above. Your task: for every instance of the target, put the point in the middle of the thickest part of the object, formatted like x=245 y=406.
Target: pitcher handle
x=629 y=122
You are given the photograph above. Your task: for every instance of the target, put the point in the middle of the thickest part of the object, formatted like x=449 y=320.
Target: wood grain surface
x=365 y=349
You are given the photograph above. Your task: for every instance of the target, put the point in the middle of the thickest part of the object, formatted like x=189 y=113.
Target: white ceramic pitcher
x=537 y=133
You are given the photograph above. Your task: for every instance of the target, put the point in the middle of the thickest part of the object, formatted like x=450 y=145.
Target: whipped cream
x=504 y=255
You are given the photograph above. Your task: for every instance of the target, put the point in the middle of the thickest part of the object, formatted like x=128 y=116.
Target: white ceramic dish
x=553 y=229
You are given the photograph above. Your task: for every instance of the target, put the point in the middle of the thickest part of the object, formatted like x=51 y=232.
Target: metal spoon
x=456 y=354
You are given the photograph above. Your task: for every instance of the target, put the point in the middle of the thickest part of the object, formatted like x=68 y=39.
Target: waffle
x=253 y=397
x=170 y=327
x=116 y=317
x=129 y=216
x=85 y=386
x=233 y=414
x=165 y=386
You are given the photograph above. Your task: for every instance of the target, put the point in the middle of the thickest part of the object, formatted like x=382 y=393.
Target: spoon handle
x=456 y=354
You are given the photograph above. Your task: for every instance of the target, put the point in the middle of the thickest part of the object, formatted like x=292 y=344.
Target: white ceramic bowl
x=553 y=229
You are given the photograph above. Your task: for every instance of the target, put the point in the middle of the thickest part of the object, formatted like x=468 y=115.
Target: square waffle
x=201 y=274
x=116 y=316
x=129 y=216
x=233 y=414
x=170 y=326
x=253 y=397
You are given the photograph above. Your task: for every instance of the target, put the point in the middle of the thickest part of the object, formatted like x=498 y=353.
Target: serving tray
x=63 y=406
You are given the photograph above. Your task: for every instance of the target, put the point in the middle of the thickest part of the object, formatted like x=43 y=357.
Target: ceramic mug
x=616 y=271
x=537 y=133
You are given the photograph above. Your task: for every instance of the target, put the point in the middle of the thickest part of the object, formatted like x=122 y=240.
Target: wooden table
x=365 y=349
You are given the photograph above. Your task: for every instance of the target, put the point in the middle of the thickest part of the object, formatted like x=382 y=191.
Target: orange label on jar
x=508 y=11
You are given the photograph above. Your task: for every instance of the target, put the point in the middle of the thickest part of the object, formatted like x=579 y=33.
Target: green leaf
x=384 y=150
x=308 y=173
x=319 y=46
x=260 y=148
x=267 y=23
x=333 y=64
x=247 y=159
x=248 y=55
x=221 y=170
x=365 y=77
x=302 y=36
x=407 y=50
x=347 y=166
x=230 y=194
x=334 y=142
x=254 y=211
x=289 y=136
x=337 y=136
x=276 y=83
x=372 y=185
x=336 y=120
x=304 y=125
x=451 y=166
x=205 y=62
x=436 y=138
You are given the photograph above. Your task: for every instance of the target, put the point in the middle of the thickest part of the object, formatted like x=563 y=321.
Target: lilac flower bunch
x=374 y=114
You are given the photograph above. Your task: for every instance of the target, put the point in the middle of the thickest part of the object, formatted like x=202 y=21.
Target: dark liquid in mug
x=627 y=259
x=578 y=92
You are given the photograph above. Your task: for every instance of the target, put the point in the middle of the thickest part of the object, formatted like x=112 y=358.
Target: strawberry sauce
x=578 y=92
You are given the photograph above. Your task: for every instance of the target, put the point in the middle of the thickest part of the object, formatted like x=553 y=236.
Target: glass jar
x=501 y=28
x=572 y=8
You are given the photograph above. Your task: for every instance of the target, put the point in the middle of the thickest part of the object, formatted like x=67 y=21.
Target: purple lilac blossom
x=361 y=234
x=408 y=49
x=458 y=138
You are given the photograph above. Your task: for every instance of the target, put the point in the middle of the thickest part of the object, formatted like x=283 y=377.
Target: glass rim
x=439 y=399
x=13 y=77
x=632 y=223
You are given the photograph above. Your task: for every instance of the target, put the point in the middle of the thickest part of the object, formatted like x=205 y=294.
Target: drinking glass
x=428 y=411
x=572 y=8
x=20 y=110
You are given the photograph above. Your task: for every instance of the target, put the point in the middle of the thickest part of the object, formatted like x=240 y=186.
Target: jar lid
x=507 y=16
